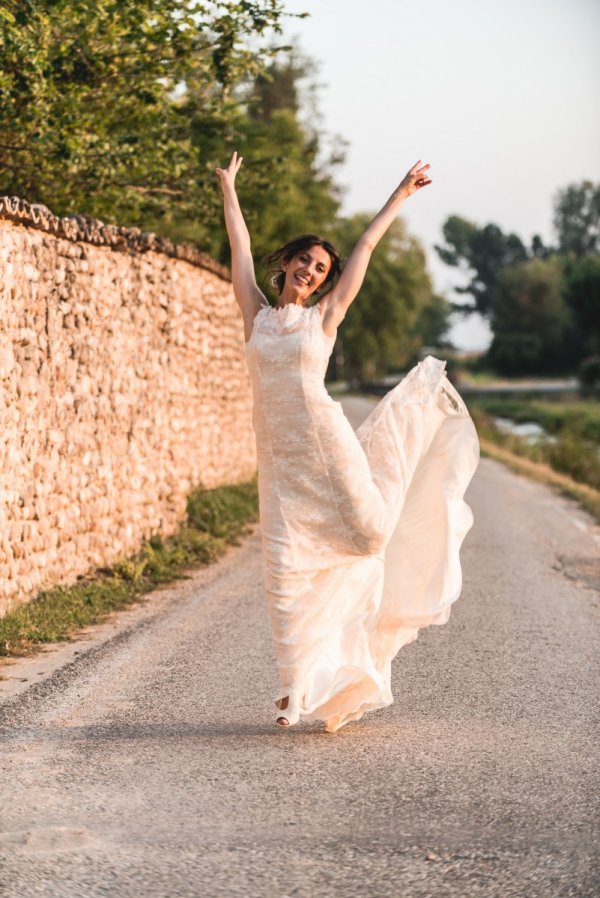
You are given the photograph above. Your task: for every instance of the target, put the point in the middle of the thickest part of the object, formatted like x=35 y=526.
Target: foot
x=291 y=705
x=283 y=721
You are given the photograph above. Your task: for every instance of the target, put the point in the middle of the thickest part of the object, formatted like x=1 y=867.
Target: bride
x=361 y=531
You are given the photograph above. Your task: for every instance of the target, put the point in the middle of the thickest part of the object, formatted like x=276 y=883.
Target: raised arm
x=248 y=295
x=346 y=289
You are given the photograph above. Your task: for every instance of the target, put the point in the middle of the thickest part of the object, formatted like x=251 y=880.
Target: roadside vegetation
x=567 y=456
x=215 y=520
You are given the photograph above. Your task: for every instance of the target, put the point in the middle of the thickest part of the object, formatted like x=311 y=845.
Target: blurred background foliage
x=542 y=302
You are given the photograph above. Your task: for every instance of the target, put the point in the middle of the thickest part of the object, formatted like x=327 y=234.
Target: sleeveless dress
x=361 y=531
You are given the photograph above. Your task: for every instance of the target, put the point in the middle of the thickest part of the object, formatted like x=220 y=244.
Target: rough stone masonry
x=123 y=385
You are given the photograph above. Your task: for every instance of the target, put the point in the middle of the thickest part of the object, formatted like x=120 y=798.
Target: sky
x=502 y=98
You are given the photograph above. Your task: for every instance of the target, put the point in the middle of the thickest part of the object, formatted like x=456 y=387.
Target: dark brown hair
x=290 y=249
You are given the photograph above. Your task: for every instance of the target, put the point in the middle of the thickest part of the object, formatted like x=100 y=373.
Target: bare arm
x=346 y=289
x=248 y=295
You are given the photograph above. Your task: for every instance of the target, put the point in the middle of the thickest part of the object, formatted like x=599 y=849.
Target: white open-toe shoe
x=289 y=708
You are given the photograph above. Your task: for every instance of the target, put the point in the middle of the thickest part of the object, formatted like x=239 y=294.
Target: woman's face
x=306 y=272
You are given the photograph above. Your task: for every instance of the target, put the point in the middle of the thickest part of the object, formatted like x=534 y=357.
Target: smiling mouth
x=301 y=280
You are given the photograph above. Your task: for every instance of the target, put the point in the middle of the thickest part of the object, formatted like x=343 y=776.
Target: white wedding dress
x=361 y=530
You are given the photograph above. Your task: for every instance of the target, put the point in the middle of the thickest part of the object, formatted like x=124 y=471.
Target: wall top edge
x=83 y=228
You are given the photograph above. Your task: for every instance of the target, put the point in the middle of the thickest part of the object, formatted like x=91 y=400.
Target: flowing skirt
x=343 y=598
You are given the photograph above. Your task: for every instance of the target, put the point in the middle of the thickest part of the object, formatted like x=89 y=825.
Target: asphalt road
x=150 y=764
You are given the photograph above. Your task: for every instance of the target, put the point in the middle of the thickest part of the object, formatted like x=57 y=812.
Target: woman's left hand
x=414 y=179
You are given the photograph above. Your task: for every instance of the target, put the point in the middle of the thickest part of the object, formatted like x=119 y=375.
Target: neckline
x=290 y=305
x=267 y=307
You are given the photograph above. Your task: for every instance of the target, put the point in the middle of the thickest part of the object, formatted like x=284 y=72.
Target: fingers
x=419 y=174
x=233 y=167
x=416 y=170
x=235 y=162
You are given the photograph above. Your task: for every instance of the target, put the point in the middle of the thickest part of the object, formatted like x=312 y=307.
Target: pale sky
x=502 y=97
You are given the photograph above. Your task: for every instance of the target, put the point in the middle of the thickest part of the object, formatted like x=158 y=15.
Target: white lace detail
x=361 y=531
x=288 y=318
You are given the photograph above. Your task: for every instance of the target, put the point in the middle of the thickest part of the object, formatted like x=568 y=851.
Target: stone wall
x=123 y=385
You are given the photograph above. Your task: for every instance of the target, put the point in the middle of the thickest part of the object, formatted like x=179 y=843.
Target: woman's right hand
x=227 y=175
x=413 y=180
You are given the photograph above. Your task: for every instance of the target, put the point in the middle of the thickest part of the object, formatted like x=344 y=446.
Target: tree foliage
x=542 y=302
x=482 y=253
x=582 y=293
x=287 y=185
x=386 y=324
x=531 y=321
x=577 y=219
x=95 y=99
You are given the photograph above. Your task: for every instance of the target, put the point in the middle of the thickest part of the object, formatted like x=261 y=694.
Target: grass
x=215 y=519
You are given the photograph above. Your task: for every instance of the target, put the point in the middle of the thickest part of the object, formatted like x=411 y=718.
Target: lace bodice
x=292 y=337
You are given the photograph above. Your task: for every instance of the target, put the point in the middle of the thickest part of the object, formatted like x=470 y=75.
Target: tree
x=94 y=98
x=538 y=249
x=577 y=218
x=482 y=253
x=137 y=104
x=531 y=320
x=565 y=284
x=286 y=186
x=384 y=326
x=433 y=322
x=582 y=293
